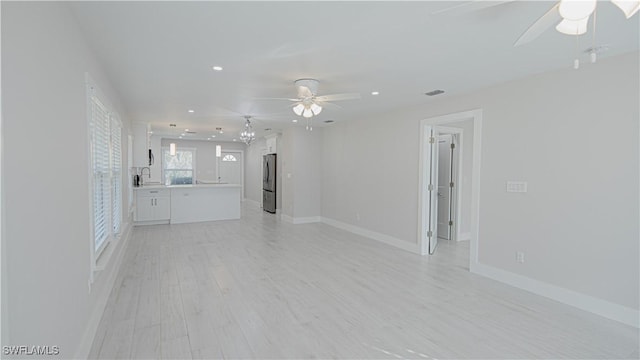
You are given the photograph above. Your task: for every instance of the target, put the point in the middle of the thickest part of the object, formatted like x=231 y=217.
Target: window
x=106 y=167
x=178 y=169
x=229 y=157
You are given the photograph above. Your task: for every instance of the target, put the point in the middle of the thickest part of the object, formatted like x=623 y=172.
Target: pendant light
x=247 y=135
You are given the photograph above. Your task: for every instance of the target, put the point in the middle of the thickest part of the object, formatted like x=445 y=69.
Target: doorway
x=430 y=167
x=449 y=183
x=231 y=168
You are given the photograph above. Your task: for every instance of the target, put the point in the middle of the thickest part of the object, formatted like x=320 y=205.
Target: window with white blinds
x=116 y=174
x=106 y=165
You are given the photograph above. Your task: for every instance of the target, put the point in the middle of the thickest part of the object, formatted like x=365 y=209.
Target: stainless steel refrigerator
x=269 y=183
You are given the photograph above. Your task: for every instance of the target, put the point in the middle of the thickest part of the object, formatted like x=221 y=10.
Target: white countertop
x=197 y=186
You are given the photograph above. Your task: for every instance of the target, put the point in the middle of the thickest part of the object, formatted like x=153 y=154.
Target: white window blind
x=106 y=167
x=116 y=174
x=100 y=133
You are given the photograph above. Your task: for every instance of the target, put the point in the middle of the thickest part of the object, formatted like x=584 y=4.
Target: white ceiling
x=159 y=55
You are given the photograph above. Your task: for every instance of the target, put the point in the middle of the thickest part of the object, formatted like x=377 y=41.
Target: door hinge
x=430 y=187
x=451 y=184
x=450 y=223
x=453 y=146
x=429 y=233
x=432 y=140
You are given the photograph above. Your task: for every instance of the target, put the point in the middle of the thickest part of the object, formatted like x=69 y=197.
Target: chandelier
x=247 y=135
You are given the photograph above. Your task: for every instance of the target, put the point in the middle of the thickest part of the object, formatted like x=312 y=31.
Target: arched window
x=229 y=157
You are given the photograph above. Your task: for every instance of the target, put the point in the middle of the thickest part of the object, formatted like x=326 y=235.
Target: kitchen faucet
x=142 y=173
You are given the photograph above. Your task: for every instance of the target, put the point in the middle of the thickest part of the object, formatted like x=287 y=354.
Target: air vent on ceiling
x=267 y=129
x=328 y=121
x=190 y=132
x=434 y=92
x=172 y=125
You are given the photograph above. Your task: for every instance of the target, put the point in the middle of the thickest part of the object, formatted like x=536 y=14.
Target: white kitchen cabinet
x=141 y=144
x=272 y=144
x=153 y=205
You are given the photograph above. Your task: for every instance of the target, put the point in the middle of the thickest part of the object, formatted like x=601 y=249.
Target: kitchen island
x=177 y=204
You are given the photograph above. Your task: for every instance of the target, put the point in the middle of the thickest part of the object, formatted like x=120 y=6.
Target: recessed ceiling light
x=182 y=134
x=179 y=137
x=186 y=130
x=295 y=120
x=150 y=132
x=213 y=136
x=208 y=138
x=234 y=140
x=191 y=111
x=217 y=68
x=375 y=93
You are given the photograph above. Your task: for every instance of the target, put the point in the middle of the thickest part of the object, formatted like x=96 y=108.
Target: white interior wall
x=286 y=168
x=306 y=172
x=253 y=170
x=45 y=178
x=577 y=225
x=205 y=156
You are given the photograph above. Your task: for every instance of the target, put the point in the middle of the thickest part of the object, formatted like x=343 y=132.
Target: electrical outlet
x=520 y=257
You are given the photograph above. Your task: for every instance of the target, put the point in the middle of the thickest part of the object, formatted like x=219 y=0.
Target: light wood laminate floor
x=261 y=288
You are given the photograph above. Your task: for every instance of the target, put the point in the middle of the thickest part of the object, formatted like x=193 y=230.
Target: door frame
x=476 y=117
x=456 y=164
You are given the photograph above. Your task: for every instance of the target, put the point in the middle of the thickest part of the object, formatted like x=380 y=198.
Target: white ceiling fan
x=571 y=17
x=309 y=103
x=568 y=16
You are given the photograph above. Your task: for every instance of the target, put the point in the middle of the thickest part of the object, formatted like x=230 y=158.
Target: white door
x=431 y=176
x=445 y=172
x=231 y=167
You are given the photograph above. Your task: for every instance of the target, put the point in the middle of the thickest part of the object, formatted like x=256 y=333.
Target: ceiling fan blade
x=469 y=6
x=329 y=105
x=551 y=18
x=283 y=99
x=338 y=97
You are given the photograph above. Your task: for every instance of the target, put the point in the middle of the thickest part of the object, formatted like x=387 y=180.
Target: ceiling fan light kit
x=576 y=9
x=573 y=27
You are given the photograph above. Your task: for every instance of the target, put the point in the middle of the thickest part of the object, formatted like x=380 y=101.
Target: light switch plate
x=517 y=186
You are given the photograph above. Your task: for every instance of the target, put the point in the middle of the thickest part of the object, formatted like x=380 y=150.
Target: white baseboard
x=307 y=220
x=109 y=276
x=465 y=236
x=389 y=240
x=585 y=302
x=252 y=203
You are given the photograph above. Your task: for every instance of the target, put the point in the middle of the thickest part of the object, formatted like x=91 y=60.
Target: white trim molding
x=300 y=220
x=423 y=209
x=585 y=302
x=389 y=240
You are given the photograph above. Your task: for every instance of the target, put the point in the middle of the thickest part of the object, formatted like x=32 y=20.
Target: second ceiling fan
x=309 y=103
